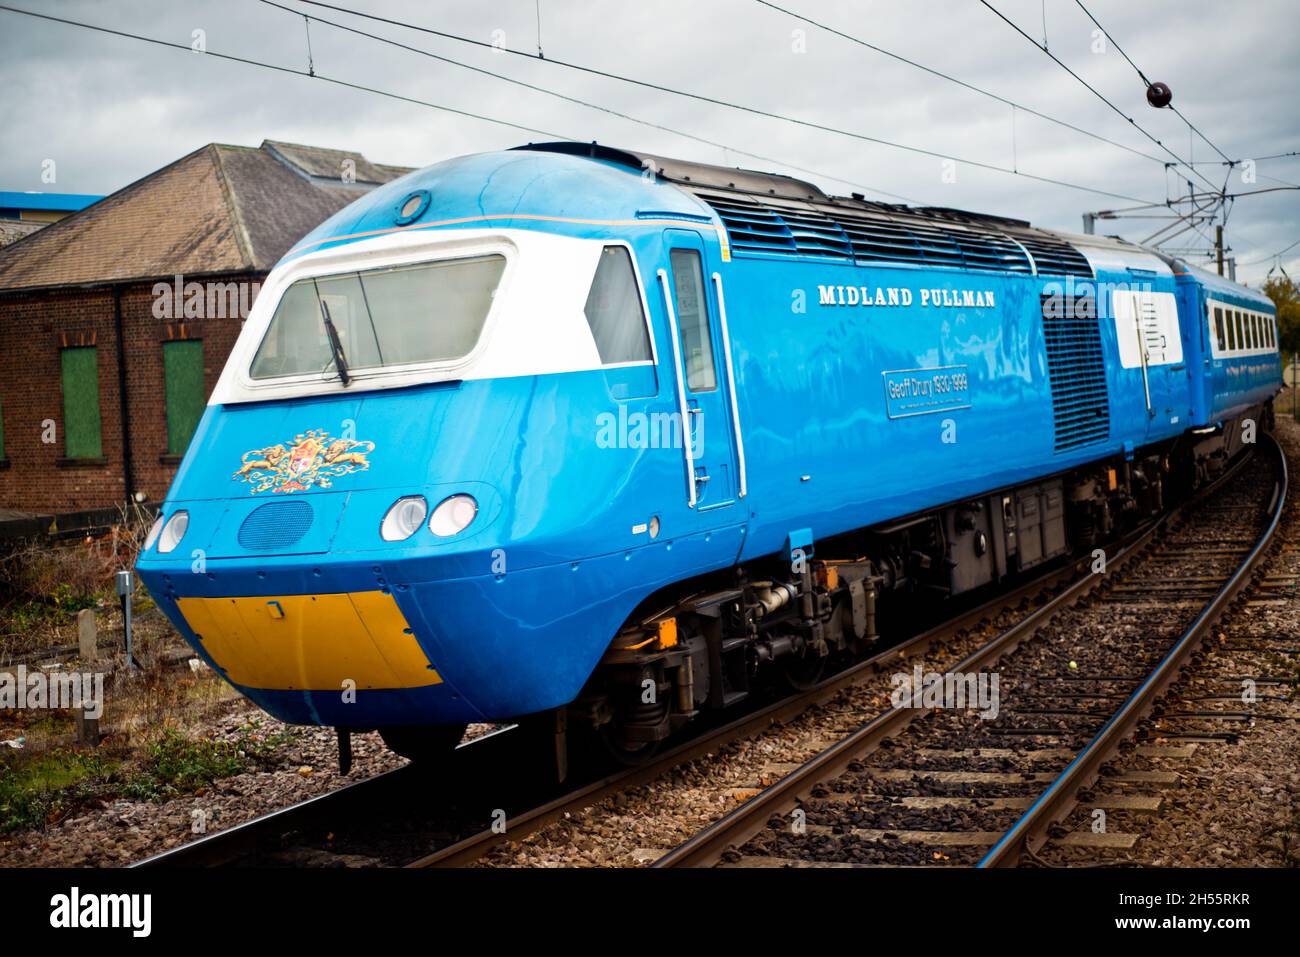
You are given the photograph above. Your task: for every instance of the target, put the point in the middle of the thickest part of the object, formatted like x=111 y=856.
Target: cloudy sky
x=109 y=110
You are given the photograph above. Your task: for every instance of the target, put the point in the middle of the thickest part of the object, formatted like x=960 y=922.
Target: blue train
x=569 y=430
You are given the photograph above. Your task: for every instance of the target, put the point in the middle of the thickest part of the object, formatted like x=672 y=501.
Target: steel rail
x=707 y=846
x=1030 y=832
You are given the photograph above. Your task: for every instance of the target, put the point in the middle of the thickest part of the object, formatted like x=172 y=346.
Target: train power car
x=578 y=431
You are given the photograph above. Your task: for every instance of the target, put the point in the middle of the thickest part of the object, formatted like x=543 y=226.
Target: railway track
x=922 y=784
x=378 y=820
x=451 y=817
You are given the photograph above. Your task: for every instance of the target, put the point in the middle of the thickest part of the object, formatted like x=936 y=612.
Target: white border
x=535 y=325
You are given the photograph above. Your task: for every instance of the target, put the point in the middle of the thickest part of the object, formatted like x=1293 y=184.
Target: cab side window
x=613 y=310
x=693 y=320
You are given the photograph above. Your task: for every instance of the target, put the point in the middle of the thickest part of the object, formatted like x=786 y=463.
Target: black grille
x=1054 y=256
x=275 y=525
x=754 y=227
x=863 y=235
x=1080 y=407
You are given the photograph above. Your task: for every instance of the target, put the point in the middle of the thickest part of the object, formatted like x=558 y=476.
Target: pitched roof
x=220 y=209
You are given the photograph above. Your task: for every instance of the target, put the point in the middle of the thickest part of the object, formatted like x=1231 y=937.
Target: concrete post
x=87 y=635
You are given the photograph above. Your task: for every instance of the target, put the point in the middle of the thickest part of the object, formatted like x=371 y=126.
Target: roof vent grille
x=863 y=235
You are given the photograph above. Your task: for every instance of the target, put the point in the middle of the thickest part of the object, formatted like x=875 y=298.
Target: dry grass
x=44 y=584
x=154 y=741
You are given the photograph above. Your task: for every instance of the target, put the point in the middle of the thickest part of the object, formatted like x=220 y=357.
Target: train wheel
x=802 y=672
x=627 y=752
x=423 y=744
x=629 y=749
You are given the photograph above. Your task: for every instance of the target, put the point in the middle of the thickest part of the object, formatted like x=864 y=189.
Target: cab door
x=1150 y=341
x=705 y=388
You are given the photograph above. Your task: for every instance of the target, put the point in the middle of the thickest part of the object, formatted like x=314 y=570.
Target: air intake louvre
x=275 y=525
x=1056 y=257
x=1080 y=408
x=863 y=235
x=883 y=238
x=756 y=228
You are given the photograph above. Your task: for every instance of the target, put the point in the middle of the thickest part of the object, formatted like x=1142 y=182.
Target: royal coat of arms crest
x=310 y=458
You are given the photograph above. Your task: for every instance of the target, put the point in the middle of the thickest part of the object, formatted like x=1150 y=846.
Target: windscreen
x=427 y=312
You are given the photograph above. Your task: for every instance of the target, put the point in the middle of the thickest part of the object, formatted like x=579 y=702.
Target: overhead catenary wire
x=1238 y=162
x=1097 y=93
x=485 y=118
x=717 y=101
x=366 y=89
x=959 y=82
x=1280 y=252
x=283 y=69
x=577 y=101
x=1196 y=197
x=1143 y=77
x=311 y=65
x=1273 y=156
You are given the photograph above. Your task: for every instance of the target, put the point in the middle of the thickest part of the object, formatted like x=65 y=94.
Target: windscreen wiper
x=336 y=347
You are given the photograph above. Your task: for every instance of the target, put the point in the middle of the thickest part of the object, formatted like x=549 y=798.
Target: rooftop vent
x=862 y=234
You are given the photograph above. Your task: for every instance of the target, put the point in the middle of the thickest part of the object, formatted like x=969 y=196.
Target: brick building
x=21 y=214
x=115 y=322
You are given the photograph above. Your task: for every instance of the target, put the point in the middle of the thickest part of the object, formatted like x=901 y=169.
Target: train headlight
x=173 y=531
x=154 y=529
x=453 y=515
x=403 y=519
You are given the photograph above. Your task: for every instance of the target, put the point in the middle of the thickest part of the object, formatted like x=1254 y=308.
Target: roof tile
x=218 y=209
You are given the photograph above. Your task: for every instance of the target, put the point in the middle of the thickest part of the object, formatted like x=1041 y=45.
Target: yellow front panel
x=311 y=642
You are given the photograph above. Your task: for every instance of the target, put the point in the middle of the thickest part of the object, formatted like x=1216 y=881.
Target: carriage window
x=1232 y=332
x=613 y=310
x=1272 y=334
x=1241 y=329
x=693 y=320
x=427 y=312
x=1218 y=328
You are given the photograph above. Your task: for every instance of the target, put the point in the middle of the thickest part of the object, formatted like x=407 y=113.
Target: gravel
x=1238 y=800
x=120 y=832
